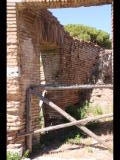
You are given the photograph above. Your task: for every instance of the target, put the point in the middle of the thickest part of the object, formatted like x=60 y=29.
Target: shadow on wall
x=50 y=66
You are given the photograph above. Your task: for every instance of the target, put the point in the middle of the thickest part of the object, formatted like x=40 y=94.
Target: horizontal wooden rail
x=51 y=128
x=66 y=87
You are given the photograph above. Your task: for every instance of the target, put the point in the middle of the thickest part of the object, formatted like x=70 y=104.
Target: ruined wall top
x=63 y=3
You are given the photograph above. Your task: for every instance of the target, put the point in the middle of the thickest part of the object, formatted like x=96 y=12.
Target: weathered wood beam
x=81 y=122
x=66 y=87
x=28 y=119
x=70 y=118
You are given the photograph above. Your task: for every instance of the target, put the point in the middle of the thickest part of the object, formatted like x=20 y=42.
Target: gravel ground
x=89 y=149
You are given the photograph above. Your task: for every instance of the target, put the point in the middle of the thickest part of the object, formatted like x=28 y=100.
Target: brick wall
x=30 y=62
x=15 y=118
x=77 y=64
x=70 y=62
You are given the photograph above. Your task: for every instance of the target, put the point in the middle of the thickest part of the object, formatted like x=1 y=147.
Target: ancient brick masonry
x=23 y=68
x=63 y=3
x=40 y=51
x=15 y=119
x=78 y=60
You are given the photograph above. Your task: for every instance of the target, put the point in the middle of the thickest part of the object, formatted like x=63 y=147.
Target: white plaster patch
x=13 y=71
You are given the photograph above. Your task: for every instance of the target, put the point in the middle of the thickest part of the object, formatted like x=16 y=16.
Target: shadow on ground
x=51 y=141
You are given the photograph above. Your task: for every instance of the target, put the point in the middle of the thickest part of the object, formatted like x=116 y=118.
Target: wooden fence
x=79 y=123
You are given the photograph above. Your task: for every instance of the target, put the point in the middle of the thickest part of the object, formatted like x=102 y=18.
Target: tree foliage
x=87 y=33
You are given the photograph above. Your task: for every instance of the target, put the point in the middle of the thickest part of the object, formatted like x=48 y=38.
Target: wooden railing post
x=28 y=120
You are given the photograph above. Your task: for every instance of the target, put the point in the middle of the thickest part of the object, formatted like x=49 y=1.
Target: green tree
x=87 y=33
